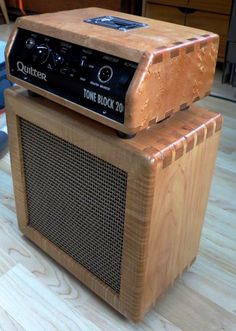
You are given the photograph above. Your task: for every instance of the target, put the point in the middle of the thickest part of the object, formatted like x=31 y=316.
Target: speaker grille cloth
x=76 y=200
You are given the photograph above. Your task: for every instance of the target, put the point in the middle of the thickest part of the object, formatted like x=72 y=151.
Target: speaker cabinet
x=123 y=216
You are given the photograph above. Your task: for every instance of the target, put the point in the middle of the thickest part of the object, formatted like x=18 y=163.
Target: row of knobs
x=42 y=52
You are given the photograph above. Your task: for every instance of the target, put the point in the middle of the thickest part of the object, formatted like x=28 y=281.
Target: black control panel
x=87 y=77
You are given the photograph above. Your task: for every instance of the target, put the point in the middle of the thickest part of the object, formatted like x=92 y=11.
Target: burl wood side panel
x=169 y=168
x=176 y=64
x=175 y=77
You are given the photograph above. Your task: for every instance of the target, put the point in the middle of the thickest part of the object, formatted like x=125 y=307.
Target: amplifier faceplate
x=87 y=77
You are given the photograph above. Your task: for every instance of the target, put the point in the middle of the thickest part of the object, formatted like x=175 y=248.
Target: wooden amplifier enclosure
x=176 y=64
x=148 y=196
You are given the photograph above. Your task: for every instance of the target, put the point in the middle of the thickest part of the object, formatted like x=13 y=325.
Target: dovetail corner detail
x=184 y=106
x=196 y=99
x=203 y=44
x=219 y=122
x=178 y=43
x=169 y=113
x=189 y=49
x=157 y=58
x=174 y=53
x=192 y=39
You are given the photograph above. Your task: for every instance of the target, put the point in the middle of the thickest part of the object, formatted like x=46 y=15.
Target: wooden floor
x=37 y=294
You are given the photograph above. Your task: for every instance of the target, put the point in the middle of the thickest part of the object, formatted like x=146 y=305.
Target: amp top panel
x=125 y=71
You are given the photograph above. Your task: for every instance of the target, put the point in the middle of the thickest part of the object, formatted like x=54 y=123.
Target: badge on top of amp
x=124 y=71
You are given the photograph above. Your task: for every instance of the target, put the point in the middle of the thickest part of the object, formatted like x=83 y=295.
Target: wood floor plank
x=109 y=320
x=35 y=307
x=7 y=215
x=5 y=164
x=7 y=323
x=68 y=288
x=225 y=163
x=6 y=191
x=6 y=262
x=211 y=280
x=225 y=107
x=191 y=311
x=217 y=248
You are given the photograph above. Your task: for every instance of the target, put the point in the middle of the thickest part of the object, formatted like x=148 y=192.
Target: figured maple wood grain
x=176 y=64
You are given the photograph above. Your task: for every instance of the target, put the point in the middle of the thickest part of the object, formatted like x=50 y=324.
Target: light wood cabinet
x=165 y=13
x=210 y=15
x=214 y=6
x=45 y=6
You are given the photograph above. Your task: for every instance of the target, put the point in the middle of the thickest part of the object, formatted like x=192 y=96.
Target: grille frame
x=102 y=142
x=75 y=195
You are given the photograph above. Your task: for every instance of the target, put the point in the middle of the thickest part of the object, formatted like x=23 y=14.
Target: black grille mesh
x=76 y=200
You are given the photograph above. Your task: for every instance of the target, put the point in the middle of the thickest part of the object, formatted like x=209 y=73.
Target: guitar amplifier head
x=124 y=216
x=125 y=71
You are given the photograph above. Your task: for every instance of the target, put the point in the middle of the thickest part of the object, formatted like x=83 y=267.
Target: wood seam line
x=219 y=122
x=177 y=47
x=182 y=146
